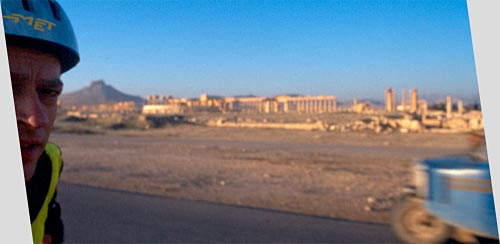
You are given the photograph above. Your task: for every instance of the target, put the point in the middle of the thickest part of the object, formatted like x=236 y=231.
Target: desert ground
x=320 y=173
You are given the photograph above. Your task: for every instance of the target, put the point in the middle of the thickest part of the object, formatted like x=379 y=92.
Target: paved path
x=99 y=215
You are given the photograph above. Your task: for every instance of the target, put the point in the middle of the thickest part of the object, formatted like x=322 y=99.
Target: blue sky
x=342 y=48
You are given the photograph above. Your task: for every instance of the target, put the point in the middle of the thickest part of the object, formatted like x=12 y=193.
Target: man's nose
x=30 y=111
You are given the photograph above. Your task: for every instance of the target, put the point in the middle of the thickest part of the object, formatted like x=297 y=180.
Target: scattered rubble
x=431 y=122
x=376 y=123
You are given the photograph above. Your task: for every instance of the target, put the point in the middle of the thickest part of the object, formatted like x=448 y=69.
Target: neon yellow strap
x=38 y=226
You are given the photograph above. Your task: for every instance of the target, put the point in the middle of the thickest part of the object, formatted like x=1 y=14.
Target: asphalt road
x=98 y=215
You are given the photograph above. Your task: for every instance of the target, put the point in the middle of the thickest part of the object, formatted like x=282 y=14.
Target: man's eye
x=49 y=92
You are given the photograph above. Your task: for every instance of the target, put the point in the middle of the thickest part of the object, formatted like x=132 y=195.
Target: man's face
x=36 y=85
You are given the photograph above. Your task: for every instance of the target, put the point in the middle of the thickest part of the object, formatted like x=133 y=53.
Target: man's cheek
x=52 y=114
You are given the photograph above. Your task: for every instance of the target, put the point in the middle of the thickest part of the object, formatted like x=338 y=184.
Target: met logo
x=37 y=24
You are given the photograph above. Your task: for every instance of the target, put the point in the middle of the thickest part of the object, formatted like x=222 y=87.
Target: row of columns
x=449 y=107
x=417 y=106
x=312 y=106
x=391 y=100
x=307 y=105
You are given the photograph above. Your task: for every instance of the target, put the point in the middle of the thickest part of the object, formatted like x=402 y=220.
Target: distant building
x=119 y=107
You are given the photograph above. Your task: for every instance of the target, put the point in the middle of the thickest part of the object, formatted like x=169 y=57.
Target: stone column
x=460 y=106
x=424 y=111
x=285 y=106
x=394 y=101
x=448 y=107
x=403 y=100
x=354 y=104
x=388 y=100
x=414 y=100
x=334 y=104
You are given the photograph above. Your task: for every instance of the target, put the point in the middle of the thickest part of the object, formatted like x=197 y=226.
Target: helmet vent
x=26 y=5
x=55 y=10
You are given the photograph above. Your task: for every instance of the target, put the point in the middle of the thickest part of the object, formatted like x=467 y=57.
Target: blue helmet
x=41 y=25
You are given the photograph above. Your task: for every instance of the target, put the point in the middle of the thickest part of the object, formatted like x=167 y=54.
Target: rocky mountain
x=97 y=92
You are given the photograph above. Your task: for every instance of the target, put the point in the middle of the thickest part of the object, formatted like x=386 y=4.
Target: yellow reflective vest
x=38 y=225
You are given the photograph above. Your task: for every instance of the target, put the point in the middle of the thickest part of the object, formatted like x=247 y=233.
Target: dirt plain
x=330 y=174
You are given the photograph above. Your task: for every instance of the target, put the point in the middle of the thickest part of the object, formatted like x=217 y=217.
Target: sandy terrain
x=312 y=172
